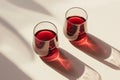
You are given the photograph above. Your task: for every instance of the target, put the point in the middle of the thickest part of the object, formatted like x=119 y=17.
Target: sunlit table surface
x=18 y=61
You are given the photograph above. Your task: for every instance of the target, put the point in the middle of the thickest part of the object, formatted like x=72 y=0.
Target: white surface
x=23 y=15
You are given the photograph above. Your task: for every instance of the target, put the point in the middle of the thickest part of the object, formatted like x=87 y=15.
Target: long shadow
x=99 y=50
x=14 y=34
x=9 y=71
x=30 y=5
x=70 y=67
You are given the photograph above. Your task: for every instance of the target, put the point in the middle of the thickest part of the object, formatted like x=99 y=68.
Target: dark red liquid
x=45 y=37
x=73 y=22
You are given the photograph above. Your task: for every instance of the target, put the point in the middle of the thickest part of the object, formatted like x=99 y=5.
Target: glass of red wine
x=75 y=31
x=45 y=41
x=75 y=23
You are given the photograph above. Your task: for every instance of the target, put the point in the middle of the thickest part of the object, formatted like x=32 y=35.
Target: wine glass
x=45 y=41
x=75 y=31
x=75 y=23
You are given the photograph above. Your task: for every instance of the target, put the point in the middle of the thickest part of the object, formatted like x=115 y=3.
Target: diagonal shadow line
x=10 y=27
x=9 y=71
x=30 y=5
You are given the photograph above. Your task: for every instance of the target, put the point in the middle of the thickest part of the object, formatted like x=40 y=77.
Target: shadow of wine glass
x=99 y=50
x=70 y=67
x=9 y=71
x=13 y=43
x=30 y=5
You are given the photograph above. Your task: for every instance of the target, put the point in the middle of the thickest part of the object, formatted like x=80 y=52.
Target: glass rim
x=77 y=8
x=52 y=30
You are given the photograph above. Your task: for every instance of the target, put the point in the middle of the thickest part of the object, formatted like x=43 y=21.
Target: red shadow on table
x=99 y=50
x=70 y=67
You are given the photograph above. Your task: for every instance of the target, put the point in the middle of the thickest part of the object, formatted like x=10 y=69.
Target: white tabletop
x=17 y=19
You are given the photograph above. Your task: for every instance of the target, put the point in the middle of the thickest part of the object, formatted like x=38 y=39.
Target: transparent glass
x=75 y=31
x=45 y=38
x=75 y=23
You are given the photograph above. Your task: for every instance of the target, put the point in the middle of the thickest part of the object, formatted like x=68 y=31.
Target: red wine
x=45 y=42
x=45 y=35
x=75 y=27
